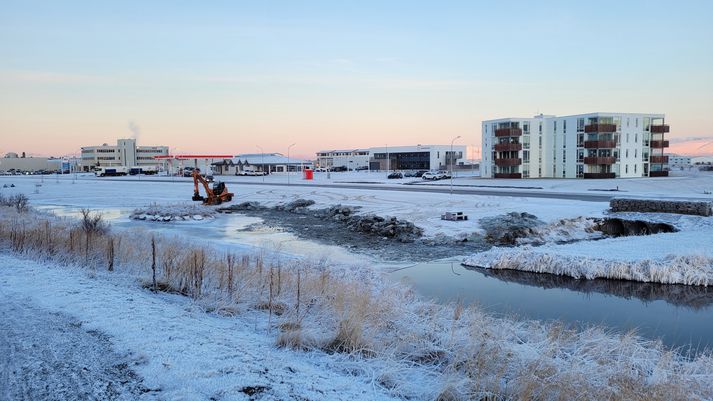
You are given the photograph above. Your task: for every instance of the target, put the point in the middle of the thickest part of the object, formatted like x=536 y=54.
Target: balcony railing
x=508 y=175
x=599 y=175
x=600 y=160
x=502 y=132
x=659 y=129
x=658 y=173
x=659 y=144
x=508 y=162
x=659 y=159
x=599 y=144
x=508 y=147
x=600 y=128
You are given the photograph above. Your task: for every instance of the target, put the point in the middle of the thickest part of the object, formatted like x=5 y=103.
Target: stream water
x=681 y=316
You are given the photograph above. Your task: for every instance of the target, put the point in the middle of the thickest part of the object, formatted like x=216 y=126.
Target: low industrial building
x=594 y=145
x=124 y=154
x=262 y=162
x=13 y=163
x=418 y=157
x=678 y=162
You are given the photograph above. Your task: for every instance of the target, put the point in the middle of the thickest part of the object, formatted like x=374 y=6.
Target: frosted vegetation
x=672 y=269
x=374 y=328
x=167 y=213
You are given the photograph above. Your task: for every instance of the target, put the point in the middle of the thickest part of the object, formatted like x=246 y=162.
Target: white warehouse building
x=125 y=154
x=350 y=159
x=594 y=145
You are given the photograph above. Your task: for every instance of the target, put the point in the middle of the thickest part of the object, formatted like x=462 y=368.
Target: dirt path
x=49 y=356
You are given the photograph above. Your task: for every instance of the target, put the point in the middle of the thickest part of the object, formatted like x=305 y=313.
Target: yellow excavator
x=214 y=196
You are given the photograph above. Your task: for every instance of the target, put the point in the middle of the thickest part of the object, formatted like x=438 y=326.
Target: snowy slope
x=181 y=352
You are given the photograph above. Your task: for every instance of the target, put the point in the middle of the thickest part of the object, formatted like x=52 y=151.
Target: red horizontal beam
x=194 y=157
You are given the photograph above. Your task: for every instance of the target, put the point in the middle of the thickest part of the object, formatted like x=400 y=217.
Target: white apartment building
x=594 y=145
x=125 y=153
x=351 y=159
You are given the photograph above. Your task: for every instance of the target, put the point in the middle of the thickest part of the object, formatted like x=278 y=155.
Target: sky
x=238 y=76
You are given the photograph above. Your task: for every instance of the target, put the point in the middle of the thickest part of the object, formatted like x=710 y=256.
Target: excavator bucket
x=197 y=197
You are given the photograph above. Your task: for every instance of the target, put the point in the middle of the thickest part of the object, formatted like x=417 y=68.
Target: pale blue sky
x=331 y=74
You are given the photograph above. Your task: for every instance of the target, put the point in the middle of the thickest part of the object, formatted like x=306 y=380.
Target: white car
x=431 y=175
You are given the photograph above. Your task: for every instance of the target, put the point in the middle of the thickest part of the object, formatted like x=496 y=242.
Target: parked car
x=362 y=168
x=431 y=175
x=395 y=174
x=320 y=170
x=420 y=173
x=338 y=168
x=444 y=174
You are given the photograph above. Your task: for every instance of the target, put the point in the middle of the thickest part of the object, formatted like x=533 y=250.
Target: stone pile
x=700 y=208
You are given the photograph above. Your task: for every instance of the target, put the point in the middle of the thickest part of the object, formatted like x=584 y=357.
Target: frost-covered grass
x=374 y=328
x=693 y=269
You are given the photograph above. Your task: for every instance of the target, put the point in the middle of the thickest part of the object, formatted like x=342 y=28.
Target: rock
x=507 y=228
x=197 y=217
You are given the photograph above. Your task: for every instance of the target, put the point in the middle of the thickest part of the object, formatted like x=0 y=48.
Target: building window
x=626 y=168
x=635 y=165
x=636 y=122
x=580 y=125
x=555 y=126
x=540 y=128
x=636 y=137
x=564 y=126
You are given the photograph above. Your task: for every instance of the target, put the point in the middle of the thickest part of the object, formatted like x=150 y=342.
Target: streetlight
x=388 y=161
x=288 y=162
x=454 y=139
x=262 y=161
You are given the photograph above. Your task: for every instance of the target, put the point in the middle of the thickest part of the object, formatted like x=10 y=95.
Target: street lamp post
x=288 y=162
x=388 y=160
x=262 y=161
x=454 y=139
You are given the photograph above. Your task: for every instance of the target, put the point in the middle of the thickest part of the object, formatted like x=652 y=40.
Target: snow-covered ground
x=683 y=257
x=180 y=351
x=188 y=354
x=423 y=209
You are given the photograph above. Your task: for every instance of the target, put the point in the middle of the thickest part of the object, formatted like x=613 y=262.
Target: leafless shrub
x=19 y=201
x=93 y=223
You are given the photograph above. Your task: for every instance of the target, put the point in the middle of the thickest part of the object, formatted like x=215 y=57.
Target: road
x=442 y=189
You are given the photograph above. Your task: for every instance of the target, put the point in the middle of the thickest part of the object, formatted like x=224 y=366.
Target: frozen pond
x=679 y=315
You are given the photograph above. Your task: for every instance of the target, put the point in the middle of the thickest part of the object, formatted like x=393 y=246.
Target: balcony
x=599 y=175
x=659 y=144
x=503 y=132
x=508 y=175
x=508 y=147
x=659 y=159
x=658 y=173
x=659 y=129
x=599 y=144
x=600 y=128
x=600 y=160
x=508 y=162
